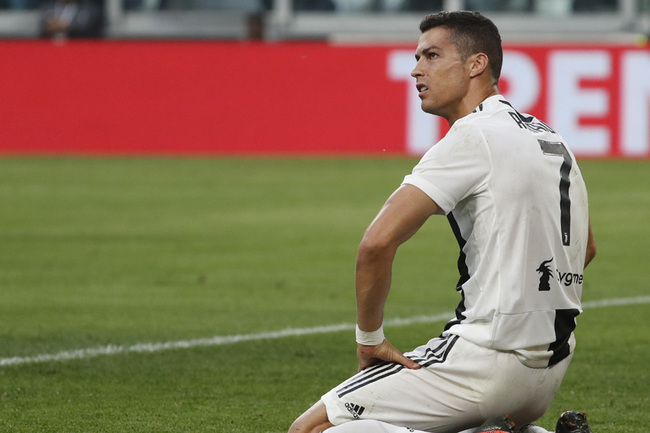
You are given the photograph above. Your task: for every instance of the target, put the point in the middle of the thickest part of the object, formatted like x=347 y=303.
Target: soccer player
x=517 y=204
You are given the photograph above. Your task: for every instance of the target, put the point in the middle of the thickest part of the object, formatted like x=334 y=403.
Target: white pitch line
x=69 y=355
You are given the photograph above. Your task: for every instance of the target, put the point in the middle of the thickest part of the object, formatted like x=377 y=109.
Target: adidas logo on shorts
x=355 y=409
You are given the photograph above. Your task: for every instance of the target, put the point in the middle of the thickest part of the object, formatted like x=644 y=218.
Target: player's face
x=441 y=75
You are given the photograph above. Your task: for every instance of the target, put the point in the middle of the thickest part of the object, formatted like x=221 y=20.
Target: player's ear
x=478 y=63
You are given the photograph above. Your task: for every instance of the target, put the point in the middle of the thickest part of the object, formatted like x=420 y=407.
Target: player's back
x=523 y=229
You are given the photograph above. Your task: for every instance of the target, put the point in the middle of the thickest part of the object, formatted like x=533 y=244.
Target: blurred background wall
x=302 y=76
x=368 y=20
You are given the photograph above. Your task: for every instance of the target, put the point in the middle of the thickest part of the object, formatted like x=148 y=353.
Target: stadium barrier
x=247 y=98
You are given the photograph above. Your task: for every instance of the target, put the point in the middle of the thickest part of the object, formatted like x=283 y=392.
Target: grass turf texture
x=120 y=251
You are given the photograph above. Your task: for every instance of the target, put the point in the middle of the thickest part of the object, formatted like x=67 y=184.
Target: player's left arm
x=591 y=246
x=400 y=218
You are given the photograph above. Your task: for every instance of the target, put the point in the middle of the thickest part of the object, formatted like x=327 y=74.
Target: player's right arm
x=400 y=218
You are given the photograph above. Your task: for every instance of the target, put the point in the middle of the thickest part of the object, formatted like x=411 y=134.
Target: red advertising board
x=170 y=97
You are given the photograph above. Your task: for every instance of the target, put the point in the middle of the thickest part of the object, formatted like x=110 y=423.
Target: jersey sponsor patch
x=545 y=277
x=563 y=277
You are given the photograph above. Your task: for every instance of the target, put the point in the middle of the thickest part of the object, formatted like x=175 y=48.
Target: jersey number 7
x=559 y=149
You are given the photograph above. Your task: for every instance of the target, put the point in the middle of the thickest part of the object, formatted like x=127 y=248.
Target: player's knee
x=294 y=428
x=299 y=427
x=314 y=420
x=306 y=425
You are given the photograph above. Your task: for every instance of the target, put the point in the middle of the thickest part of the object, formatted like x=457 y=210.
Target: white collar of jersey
x=491 y=103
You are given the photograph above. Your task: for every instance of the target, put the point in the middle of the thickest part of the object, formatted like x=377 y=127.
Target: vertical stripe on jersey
x=462 y=270
x=559 y=149
x=565 y=323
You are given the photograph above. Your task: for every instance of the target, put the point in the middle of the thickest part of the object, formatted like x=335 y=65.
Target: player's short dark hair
x=471 y=33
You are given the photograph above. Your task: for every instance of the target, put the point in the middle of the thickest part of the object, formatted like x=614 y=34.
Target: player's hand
x=372 y=355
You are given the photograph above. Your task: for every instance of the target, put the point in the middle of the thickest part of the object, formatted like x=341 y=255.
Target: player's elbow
x=376 y=246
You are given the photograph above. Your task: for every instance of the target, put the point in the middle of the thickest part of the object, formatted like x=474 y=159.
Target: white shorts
x=460 y=386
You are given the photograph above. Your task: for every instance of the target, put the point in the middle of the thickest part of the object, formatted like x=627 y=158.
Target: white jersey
x=517 y=203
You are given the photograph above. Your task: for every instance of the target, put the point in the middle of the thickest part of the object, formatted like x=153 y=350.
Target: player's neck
x=470 y=102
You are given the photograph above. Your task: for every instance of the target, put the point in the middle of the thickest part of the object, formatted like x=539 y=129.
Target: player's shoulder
x=465 y=133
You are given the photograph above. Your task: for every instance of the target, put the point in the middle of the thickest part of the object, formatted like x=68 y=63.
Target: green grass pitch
x=98 y=252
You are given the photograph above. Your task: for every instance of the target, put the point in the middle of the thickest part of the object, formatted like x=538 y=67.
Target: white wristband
x=370 y=338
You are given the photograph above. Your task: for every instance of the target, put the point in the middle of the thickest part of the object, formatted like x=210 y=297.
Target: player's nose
x=416 y=72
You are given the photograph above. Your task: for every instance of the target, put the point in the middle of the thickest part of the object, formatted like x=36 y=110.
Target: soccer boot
x=572 y=422
x=500 y=424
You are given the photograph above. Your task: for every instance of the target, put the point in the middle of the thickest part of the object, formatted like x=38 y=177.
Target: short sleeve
x=455 y=168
